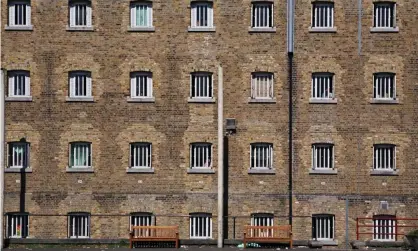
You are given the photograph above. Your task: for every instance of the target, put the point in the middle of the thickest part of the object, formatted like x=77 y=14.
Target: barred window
x=201 y=85
x=262 y=85
x=19 y=83
x=80 y=14
x=80 y=155
x=141 y=14
x=200 y=155
x=141 y=85
x=384 y=227
x=262 y=156
x=18 y=155
x=141 y=155
x=262 y=220
x=322 y=86
x=19 y=13
x=17 y=225
x=262 y=15
x=323 y=226
x=322 y=156
x=384 y=157
x=384 y=86
x=79 y=225
x=80 y=84
x=384 y=15
x=200 y=225
x=323 y=15
x=201 y=15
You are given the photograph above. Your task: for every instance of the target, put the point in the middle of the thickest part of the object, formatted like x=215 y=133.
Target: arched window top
x=141 y=214
x=267 y=215
x=200 y=214
x=78 y=214
x=261 y=144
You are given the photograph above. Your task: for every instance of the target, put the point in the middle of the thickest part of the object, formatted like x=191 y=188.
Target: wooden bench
x=154 y=233
x=274 y=234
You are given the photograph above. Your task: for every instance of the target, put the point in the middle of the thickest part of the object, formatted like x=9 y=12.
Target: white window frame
x=261 y=9
x=87 y=16
x=137 y=151
x=13 y=221
x=194 y=11
x=322 y=12
x=322 y=86
x=196 y=219
x=388 y=17
x=87 y=85
x=14 y=78
x=384 y=227
x=84 y=230
x=384 y=157
x=323 y=221
x=262 y=85
x=141 y=80
x=14 y=159
x=134 y=14
x=198 y=87
x=328 y=158
x=12 y=13
x=384 y=82
x=262 y=220
x=83 y=152
x=266 y=150
x=205 y=150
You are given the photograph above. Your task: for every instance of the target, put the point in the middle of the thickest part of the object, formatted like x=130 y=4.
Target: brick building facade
x=351 y=122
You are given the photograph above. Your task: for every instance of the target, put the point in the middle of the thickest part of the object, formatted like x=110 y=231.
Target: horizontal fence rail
x=384 y=228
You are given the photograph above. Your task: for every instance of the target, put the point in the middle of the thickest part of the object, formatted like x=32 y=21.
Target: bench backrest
x=282 y=232
x=154 y=231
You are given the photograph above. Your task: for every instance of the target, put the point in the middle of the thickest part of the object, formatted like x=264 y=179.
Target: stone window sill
x=17 y=170
x=141 y=100
x=384 y=173
x=262 y=30
x=260 y=100
x=140 y=170
x=202 y=171
x=201 y=100
x=19 y=99
x=384 y=30
x=87 y=29
x=141 y=29
x=19 y=28
x=79 y=99
x=201 y=29
x=325 y=172
x=261 y=171
x=384 y=101
x=320 y=243
x=323 y=100
x=322 y=30
x=80 y=170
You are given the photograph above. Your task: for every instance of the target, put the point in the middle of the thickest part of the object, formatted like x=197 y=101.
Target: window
x=202 y=15
x=262 y=86
x=384 y=86
x=200 y=225
x=322 y=86
x=141 y=85
x=19 y=84
x=323 y=15
x=143 y=220
x=322 y=156
x=261 y=156
x=140 y=155
x=19 y=13
x=80 y=155
x=78 y=225
x=17 y=225
x=200 y=156
x=323 y=227
x=384 y=227
x=18 y=155
x=384 y=15
x=141 y=14
x=262 y=15
x=80 y=14
x=201 y=85
x=80 y=84
x=384 y=157
x=262 y=220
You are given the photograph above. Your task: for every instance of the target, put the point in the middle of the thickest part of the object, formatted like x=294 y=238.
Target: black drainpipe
x=290 y=56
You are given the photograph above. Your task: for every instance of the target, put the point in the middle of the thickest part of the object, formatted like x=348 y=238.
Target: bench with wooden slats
x=273 y=234
x=154 y=233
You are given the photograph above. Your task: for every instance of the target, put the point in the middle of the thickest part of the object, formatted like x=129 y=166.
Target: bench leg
x=291 y=244
x=245 y=243
x=177 y=243
x=130 y=244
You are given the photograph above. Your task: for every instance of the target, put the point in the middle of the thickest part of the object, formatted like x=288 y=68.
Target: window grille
x=384 y=227
x=79 y=225
x=141 y=85
x=80 y=155
x=201 y=15
x=19 y=13
x=141 y=14
x=322 y=15
x=141 y=155
x=262 y=86
x=384 y=157
x=384 y=15
x=322 y=156
x=201 y=155
x=17 y=225
x=261 y=156
x=80 y=14
x=262 y=15
x=201 y=85
x=80 y=84
x=322 y=86
x=18 y=155
x=384 y=86
x=200 y=226
x=323 y=227
x=19 y=84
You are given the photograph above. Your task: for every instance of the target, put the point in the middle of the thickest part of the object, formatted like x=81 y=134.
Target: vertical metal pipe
x=220 y=158
x=2 y=143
